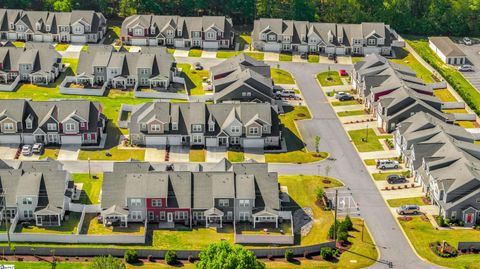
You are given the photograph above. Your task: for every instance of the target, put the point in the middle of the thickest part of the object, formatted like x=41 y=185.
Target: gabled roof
x=446 y=46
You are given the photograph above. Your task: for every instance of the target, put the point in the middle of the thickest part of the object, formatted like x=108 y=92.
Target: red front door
x=469 y=218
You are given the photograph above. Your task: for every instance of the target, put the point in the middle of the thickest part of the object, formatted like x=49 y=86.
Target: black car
x=304 y=56
x=396 y=179
x=346 y=97
x=332 y=57
x=198 y=66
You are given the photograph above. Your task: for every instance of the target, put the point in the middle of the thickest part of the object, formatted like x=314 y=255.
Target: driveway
x=271 y=56
x=179 y=154
x=155 y=154
x=134 y=49
x=73 y=51
x=7 y=152
x=215 y=154
x=257 y=155
x=209 y=54
x=68 y=153
x=473 y=55
x=181 y=53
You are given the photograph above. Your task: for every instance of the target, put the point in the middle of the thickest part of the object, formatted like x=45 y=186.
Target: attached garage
x=179 y=43
x=212 y=142
x=253 y=143
x=139 y=41
x=210 y=45
x=340 y=51
x=156 y=140
x=38 y=38
x=71 y=140
x=174 y=140
x=28 y=139
x=78 y=39
x=9 y=139
x=152 y=42
x=274 y=47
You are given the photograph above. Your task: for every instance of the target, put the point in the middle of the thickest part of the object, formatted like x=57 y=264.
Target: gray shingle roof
x=446 y=46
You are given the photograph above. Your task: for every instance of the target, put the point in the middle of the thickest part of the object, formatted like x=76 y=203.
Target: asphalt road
x=473 y=56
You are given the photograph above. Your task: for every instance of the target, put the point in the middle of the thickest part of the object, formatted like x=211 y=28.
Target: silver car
x=27 y=150
x=408 y=209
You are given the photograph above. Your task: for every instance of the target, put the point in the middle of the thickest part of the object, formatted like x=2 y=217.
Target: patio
x=284 y=228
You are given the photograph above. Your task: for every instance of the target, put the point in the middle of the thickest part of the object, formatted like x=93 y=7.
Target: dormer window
x=211 y=127
x=39 y=26
x=47 y=28
x=340 y=40
x=179 y=32
x=170 y=32
x=51 y=126
x=28 y=124
x=155 y=127
x=372 y=41
x=197 y=128
x=152 y=30
x=12 y=26
x=174 y=126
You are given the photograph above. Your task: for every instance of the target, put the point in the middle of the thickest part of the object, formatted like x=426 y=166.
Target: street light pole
x=89 y=173
x=335 y=221
x=366 y=136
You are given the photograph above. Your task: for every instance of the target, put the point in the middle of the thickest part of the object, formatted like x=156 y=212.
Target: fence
x=465 y=116
x=81 y=207
x=468 y=246
x=80 y=91
x=267 y=239
x=453 y=105
x=10 y=87
x=162 y=94
x=123 y=115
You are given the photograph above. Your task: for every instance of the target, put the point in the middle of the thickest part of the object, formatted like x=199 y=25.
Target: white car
x=387 y=164
x=465 y=68
x=27 y=150
x=37 y=148
x=467 y=41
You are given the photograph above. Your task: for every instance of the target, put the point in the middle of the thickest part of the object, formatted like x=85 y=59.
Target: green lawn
x=187 y=239
x=50 y=152
x=313 y=58
x=91 y=187
x=384 y=175
x=85 y=48
x=285 y=57
x=227 y=53
x=374 y=161
x=67 y=226
x=48 y=265
x=356 y=59
x=171 y=50
x=351 y=113
x=406 y=58
x=18 y=44
x=256 y=55
x=468 y=93
x=329 y=78
x=372 y=144
x=195 y=53
x=421 y=233
x=92 y=227
x=405 y=201
x=62 y=47
x=445 y=95
x=345 y=103
x=465 y=123
x=281 y=76
x=197 y=155
x=235 y=156
x=297 y=152
x=193 y=78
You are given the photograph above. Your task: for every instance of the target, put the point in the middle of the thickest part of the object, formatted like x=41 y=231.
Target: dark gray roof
x=446 y=46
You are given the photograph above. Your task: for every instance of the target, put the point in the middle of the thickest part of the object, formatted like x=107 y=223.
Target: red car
x=343 y=72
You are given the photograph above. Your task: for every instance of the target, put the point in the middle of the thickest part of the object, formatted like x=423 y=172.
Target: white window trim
x=51 y=126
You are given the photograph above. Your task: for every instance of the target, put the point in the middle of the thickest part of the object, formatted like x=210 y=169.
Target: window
x=28 y=124
x=197 y=139
x=180 y=215
x=210 y=35
x=454 y=215
x=253 y=130
x=198 y=215
x=211 y=127
x=70 y=127
x=135 y=202
x=51 y=126
x=223 y=202
x=152 y=30
x=155 y=127
x=245 y=203
x=229 y=215
x=157 y=203
x=234 y=140
x=8 y=126
x=143 y=126
x=170 y=32
x=357 y=42
x=151 y=215
x=27 y=201
x=47 y=28
x=272 y=38
x=197 y=128
x=138 y=32
x=162 y=215
x=235 y=129
x=130 y=81
x=174 y=126
x=136 y=215
x=246 y=94
x=244 y=216
x=28 y=214
x=144 y=71
x=144 y=80
x=372 y=41
x=82 y=124
x=265 y=128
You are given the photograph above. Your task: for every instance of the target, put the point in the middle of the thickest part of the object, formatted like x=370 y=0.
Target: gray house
x=250 y=125
x=78 y=26
x=242 y=78
x=342 y=39
x=209 y=32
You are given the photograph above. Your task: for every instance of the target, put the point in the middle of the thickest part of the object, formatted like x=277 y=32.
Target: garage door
x=212 y=142
x=179 y=44
x=139 y=41
x=156 y=141
x=272 y=47
x=71 y=140
x=78 y=39
x=38 y=38
x=28 y=139
x=9 y=139
x=210 y=45
x=174 y=140
x=253 y=143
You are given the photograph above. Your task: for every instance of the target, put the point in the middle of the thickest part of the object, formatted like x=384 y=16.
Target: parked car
x=387 y=164
x=343 y=72
x=467 y=41
x=27 y=150
x=346 y=97
x=331 y=56
x=287 y=94
x=198 y=66
x=304 y=56
x=408 y=209
x=396 y=179
x=465 y=68
x=37 y=148
x=340 y=94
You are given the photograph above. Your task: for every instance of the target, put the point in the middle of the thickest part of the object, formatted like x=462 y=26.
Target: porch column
x=125 y=220
x=221 y=221
x=36 y=220
x=206 y=221
x=276 y=221
x=58 y=219
x=254 y=221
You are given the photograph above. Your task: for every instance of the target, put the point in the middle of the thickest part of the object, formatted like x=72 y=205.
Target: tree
x=171 y=257
x=130 y=256
x=317 y=144
x=327 y=253
x=348 y=223
x=13 y=249
x=226 y=256
x=104 y=262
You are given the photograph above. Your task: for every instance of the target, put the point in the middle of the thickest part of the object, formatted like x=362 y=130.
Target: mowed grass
x=345 y=103
x=421 y=233
x=409 y=60
x=455 y=110
x=91 y=187
x=356 y=59
x=351 y=113
x=61 y=47
x=281 y=76
x=466 y=124
x=329 y=78
x=384 y=175
x=50 y=152
x=197 y=155
x=67 y=226
x=236 y=156
x=190 y=239
x=48 y=265
x=223 y=54
x=445 y=95
x=365 y=145
x=256 y=55
x=285 y=57
x=194 y=78
x=405 y=201
x=195 y=53
x=313 y=58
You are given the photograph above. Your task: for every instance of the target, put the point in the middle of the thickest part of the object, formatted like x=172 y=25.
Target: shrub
x=130 y=256
x=288 y=255
x=342 y=236
x=171 y=257
x=191 y=259
x=319 y=192
x=441 y=221
x=348 y=223
x=327 y=253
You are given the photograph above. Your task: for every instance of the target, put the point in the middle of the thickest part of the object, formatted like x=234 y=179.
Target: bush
x=288 y=255
x=319 y=192
x=191 y=259
x=342 y=236
x=130 y=256
x=441 y=221
x=327 y=253
x=348 y=223
x=171 y=257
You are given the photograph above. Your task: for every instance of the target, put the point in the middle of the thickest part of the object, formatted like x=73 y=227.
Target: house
x=306 y=37
x=151 y=67
x=393 y=108
x=376 y=76
x=36 y=63
x=208 y=32
x=78 y=122
x=37 y=191
x=135 y=192
x=242 y=78
x=250 y=125
x=448 y=51
x=78 y=26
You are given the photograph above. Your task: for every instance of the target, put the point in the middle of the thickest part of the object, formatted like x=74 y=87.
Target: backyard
x=329 y=78
x=193 y=78
x=91 y=226
x=91 y=187
x=359 y=138
x=445 y=95
x=281 y=76
x=187 y=239
x=406 y=58
x=68 y=226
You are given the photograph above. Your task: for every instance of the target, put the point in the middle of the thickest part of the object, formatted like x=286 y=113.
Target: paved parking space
x=325 y=60
x=215 y=154
x=68 y=153
x=257 y=155
x=473 y=55
x=297 y=59
x=134 y=49
x=209 y=54
x=180 y=52
x=7 y=152
x=271 y=56
x=344 y=60
x=155 y=154
x=179 y=154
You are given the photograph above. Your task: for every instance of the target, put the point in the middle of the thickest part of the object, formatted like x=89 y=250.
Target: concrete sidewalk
x=378 y=154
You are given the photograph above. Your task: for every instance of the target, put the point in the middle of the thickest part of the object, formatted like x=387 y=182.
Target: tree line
x=428 y=17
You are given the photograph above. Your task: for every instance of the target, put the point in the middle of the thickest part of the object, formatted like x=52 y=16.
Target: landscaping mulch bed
x=448 y=251
x=426 y=201
x=405 y=218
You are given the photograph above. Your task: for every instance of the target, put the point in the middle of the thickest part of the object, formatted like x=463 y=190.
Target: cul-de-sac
x=239 y=134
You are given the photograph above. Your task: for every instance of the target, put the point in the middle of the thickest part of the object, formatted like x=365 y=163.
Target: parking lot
x=473 y=55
